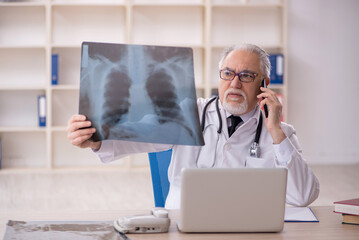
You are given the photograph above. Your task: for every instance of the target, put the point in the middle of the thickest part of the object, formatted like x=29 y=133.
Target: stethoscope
x=254 y=150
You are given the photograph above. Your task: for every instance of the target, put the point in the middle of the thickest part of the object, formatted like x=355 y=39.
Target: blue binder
x=276 y=74
x=55 y=69
x=41 y=101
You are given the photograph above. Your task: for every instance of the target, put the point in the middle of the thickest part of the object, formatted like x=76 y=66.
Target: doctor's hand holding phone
x=273 y=111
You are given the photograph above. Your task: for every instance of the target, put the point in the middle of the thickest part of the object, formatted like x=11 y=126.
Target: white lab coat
x=220 y=151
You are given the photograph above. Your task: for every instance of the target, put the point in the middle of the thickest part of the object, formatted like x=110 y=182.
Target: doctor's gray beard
x=237 y=108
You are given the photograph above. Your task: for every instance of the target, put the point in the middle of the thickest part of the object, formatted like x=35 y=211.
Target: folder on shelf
x=41 y=100
x=54 y=69
x=276 y=73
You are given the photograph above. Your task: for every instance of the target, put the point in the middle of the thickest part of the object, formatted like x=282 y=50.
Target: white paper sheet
x=299 y=214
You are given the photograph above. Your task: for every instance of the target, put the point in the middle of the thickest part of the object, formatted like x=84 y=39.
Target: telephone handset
x=265 y=105
x=155 y=222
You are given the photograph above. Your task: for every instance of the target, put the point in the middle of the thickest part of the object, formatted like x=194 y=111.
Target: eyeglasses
x=229 y=75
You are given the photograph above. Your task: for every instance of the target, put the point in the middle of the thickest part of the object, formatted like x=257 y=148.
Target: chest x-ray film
x=139 y=93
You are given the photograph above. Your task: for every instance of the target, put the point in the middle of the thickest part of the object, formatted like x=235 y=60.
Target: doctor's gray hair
x=251 y=48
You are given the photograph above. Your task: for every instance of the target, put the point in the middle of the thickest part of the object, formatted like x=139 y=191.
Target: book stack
x=349 y=210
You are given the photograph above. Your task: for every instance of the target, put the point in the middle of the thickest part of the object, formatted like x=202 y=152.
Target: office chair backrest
x=159 y=162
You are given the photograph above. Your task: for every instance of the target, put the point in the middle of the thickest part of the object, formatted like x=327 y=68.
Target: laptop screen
x=233 y=200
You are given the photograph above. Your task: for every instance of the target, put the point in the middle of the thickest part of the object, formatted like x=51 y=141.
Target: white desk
x=329 y=227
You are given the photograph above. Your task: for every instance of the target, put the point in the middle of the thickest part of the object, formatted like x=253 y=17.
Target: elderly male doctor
x=242 y=70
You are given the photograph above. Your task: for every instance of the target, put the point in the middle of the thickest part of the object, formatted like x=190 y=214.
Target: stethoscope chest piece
x=255 y=150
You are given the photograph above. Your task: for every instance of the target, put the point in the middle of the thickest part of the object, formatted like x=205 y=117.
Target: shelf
x=28 y=22
x=6 y=129
x=10 y=87
x=260 y=26
x=23 y=149
x=22 y=67
x=67 y=155
x=17 y=103
x=22 y=4
x=247 y=3
x=268 y=48
x=166 y=3
x=65 y=87
x=89 y=3
x=194 y=46
x=67 y=169
x=64 y=105
x=22 y=170
x=31 y=31
x=22 y=46
x=198 y=60
x=59 y=128
x=200 y=92
x=277 y=87
x=258 y=5
x=69 y=46
x=69 y=64
x=188 y=30
x=78 y=45
x=71 y=25
x=216 y=55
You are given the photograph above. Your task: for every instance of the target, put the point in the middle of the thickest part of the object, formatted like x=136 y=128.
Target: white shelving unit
x=31 y=31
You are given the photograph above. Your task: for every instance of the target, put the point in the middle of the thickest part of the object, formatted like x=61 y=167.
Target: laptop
x=233 y=200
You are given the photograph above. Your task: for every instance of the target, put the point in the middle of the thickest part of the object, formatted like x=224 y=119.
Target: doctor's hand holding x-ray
x=242 y=70
x=79 y=131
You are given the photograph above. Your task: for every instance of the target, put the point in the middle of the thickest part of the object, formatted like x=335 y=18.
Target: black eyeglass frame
x=238 y=74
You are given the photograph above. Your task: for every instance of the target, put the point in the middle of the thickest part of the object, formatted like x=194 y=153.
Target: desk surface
x=329 y=227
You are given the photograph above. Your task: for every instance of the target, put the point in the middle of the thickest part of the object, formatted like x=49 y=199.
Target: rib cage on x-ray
x=139 y=93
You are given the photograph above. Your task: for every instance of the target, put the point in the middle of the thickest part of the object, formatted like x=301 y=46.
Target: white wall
x=323 y=72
